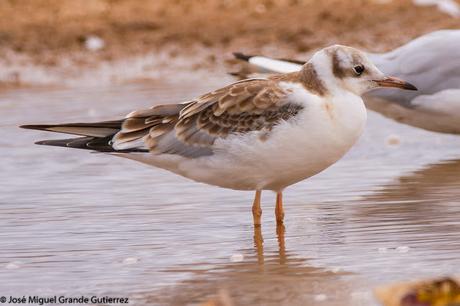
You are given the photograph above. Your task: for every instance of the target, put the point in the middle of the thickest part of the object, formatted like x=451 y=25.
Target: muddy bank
x=64 y=37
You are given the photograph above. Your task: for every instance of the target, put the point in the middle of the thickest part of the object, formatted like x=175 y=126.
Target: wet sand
x=74 y=223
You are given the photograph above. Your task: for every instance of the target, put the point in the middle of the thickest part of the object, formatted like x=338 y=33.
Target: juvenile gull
x=256 y=134
x=431 y=61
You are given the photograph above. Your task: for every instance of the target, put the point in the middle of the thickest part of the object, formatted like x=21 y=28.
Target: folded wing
x=189 y=129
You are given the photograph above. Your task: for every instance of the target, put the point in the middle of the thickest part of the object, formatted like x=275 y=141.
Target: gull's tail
x=270 y=65
x=242 y=56
x=131 y=134
x=96 y=136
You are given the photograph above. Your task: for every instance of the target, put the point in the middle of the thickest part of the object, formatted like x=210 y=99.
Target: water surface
x=75 y=223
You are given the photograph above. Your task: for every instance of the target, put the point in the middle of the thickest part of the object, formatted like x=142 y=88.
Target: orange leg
x=256 y=210
x=279 y=211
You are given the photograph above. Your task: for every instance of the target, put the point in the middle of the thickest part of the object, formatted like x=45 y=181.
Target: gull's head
x=348 y=68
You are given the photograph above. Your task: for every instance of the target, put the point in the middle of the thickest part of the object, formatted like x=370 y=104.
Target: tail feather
x=100 y=144
x=96 y=136
x=247 y=58
x=242 y=56
x=97 y=129
x=293 y=61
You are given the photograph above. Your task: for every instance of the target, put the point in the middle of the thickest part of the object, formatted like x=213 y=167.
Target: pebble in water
x=403 y=249
x=237 y=258
x=130 y=260
x=13 y=265
x=393 y=141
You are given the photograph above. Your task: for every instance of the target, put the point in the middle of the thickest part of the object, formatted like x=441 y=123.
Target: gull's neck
x=311 y=80
x=322 y=64
x=308 y=77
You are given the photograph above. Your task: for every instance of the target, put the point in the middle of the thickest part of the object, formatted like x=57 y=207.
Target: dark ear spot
x=311 y=81
x=337 y=69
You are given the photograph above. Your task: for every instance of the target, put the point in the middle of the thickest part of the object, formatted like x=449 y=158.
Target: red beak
x=395 y=82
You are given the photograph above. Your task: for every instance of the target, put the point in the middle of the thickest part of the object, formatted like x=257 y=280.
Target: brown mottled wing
x=251 y=105
x=190 y=129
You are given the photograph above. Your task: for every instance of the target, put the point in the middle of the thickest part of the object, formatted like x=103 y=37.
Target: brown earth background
x=46 y=32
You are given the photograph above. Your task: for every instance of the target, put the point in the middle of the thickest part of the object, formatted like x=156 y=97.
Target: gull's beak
x=395 y=82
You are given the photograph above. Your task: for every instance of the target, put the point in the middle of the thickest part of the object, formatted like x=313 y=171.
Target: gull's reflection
x=416 y=214
x=431 y=191
x=441 y=180
x=259 y=244
x=268 y=275
x=411 y=202
x=281 y=245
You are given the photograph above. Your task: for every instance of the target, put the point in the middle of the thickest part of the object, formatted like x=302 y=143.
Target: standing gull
x=256 y=134
x=431 y=61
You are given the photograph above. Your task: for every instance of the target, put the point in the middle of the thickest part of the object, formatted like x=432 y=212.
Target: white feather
x=272 y=65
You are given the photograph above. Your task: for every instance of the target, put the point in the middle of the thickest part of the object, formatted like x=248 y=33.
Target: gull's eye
x=359 y=69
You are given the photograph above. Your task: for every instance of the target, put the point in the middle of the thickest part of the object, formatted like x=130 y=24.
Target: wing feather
x=191 y=129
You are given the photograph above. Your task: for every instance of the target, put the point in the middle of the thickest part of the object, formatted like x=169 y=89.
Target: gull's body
x=257 y=134
x=319 y=135
x=431 y=61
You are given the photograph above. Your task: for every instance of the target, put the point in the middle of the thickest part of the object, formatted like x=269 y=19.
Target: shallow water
x=76 y=223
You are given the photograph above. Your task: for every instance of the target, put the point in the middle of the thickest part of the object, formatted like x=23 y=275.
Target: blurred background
x=74 y=223
x=63 y=37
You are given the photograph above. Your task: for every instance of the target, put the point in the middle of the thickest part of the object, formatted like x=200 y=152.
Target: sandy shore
x=48 y=42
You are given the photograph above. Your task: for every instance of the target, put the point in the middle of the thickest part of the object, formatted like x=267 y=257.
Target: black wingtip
x=34 y=126
x=56 y=143
x=242 y=56
x=409 y=86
